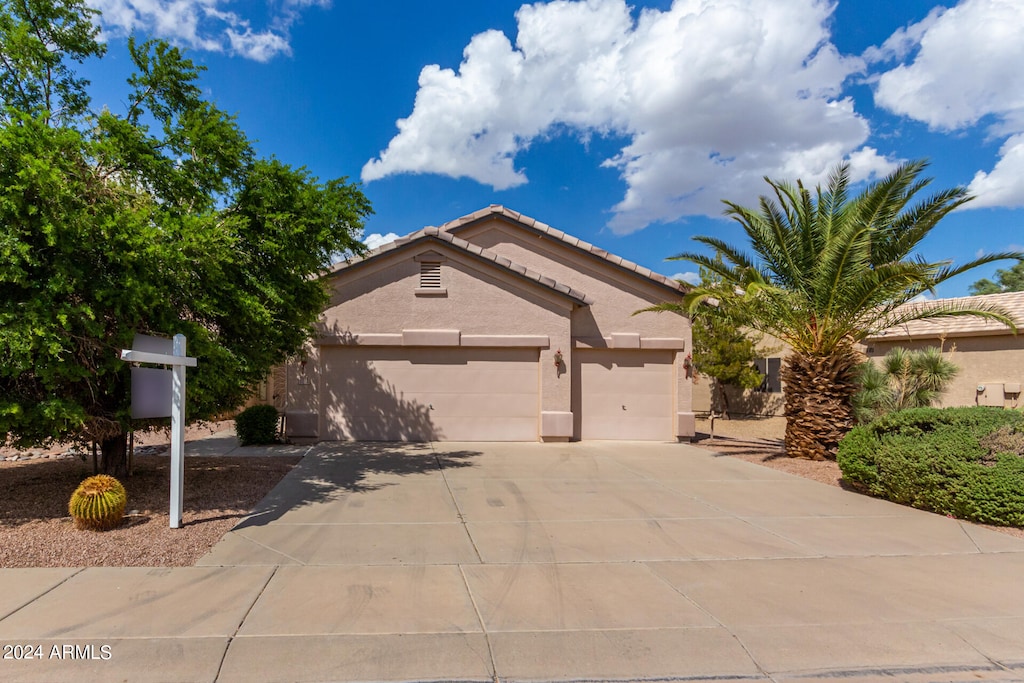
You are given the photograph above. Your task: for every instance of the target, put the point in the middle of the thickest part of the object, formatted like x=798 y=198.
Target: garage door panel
x=430 y=394
x=639 y=380
x=477 y=405
x=634 y=405
x=489 y=429
x=637 y=429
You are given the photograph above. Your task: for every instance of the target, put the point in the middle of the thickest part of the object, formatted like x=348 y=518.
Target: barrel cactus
x=98 y=503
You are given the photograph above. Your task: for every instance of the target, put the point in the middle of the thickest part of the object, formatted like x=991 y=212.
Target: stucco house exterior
x=492 y=327
x=989 y=355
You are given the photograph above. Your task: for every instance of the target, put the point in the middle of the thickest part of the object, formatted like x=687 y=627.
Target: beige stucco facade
x=493 y=327
x=989 y=356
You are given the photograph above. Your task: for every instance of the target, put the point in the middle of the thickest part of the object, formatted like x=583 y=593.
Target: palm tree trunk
x=818 y=409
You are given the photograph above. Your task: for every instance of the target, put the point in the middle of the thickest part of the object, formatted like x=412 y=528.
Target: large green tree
x=827 y=270
x=1007 y=280
x=160 y=219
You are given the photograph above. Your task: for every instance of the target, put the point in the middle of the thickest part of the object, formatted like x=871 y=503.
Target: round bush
x=963 y=462
x=257 y=425
x=98 y=503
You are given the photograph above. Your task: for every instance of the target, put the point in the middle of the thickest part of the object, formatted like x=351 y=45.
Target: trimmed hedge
x=257 y=425
x=963 y=462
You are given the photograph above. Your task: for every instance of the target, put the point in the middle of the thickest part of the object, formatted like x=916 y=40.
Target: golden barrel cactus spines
x=98 y=503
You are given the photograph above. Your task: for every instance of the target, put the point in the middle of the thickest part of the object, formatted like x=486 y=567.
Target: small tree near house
x=723 y=351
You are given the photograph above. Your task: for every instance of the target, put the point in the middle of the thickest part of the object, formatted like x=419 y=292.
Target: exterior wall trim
x=539 y=341
x=628 y=341
x=439 y=338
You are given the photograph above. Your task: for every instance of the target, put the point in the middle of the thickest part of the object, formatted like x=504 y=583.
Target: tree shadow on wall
x=362 y=405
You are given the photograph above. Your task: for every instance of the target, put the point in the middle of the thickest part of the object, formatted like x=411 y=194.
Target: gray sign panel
x=144 y=342
x=152 y=391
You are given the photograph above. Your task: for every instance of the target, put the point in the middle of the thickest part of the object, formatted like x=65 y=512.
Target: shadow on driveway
x=332 y=470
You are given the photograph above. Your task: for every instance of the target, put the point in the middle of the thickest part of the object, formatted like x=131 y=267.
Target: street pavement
x=540 y=562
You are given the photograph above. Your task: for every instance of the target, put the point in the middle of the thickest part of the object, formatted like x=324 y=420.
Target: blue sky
x=624 y=125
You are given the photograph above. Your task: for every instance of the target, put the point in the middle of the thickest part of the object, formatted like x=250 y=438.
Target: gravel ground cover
x=36 y=531
x=760 y=441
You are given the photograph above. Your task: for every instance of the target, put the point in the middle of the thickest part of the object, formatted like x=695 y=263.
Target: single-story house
x=989 y=355
x=493 y=327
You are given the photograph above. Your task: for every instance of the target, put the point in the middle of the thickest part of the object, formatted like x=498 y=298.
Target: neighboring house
x=493 y=327
x=989 y=355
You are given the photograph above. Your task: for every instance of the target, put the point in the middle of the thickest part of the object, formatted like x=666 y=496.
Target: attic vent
x=430 y=275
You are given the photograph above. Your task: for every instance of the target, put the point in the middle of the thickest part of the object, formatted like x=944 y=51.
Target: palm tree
x=904 y=379
x=827 y=271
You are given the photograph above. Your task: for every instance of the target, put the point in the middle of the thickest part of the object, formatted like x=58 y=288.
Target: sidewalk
x=597 y=561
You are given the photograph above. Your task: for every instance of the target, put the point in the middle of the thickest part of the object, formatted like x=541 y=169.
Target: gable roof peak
x=435 y=235
x=499 y=211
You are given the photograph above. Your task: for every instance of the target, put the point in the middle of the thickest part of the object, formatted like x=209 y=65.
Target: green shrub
x=98 y=503
x=904 y=379
x=963 y=462
x=257 y=425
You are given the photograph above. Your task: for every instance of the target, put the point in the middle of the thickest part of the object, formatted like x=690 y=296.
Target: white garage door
x=429 y=394
x=626 y=394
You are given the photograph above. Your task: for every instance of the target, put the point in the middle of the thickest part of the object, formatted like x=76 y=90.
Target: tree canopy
x=160 y=219
x=828 y=269
x=1007 y=280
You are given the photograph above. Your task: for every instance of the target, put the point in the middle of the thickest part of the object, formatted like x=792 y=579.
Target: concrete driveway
x=595 y=561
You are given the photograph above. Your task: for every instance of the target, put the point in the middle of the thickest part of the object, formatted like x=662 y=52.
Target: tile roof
x=960 y=326
x=533 y=224
x=437 y=234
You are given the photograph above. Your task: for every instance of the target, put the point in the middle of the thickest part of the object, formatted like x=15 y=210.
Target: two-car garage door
x=488 y=394
x=429 y=394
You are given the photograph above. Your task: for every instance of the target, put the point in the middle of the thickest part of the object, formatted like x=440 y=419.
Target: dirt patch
x=760 y=441
x=36 y=531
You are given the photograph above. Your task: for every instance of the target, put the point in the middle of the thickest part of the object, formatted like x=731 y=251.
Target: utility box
x=990 y=394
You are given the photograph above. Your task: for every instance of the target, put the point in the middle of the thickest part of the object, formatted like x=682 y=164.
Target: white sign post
x=178 y=362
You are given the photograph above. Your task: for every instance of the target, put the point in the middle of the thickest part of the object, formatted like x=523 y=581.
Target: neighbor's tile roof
x=440 y=235
x=543 y=228
x=960 y=326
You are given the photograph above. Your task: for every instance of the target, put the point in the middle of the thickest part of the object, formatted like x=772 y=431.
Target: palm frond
x=930 y=310
x=948 y=272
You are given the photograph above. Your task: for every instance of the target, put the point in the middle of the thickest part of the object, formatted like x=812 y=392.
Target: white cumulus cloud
x=203 y=24
x=966 y=71
x=374 y=240
x=689 y=276
x=710 y=97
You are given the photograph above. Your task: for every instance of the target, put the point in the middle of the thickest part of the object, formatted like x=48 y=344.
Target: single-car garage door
x=626 y=394
x=429 y=394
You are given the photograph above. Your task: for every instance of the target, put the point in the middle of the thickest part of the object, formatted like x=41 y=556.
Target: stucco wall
x=380 y=298
x=983 y=360
x=379 y=302
x=617 y=293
